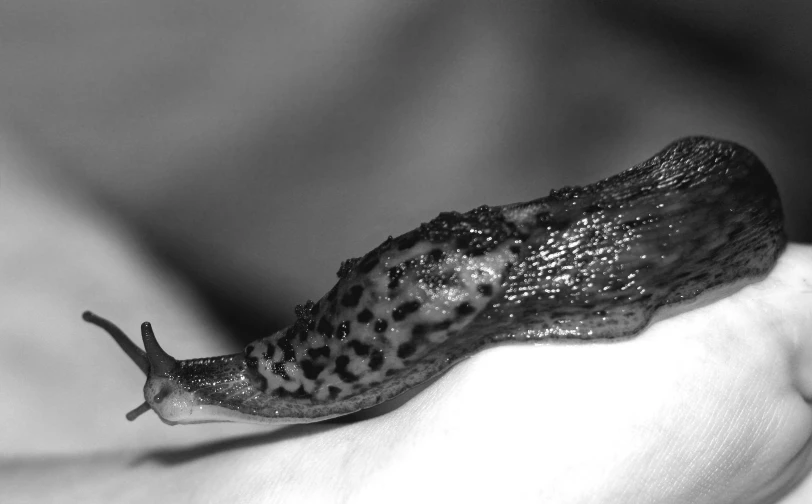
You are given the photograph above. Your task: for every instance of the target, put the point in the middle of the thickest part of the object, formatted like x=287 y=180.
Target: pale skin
x=712 y=405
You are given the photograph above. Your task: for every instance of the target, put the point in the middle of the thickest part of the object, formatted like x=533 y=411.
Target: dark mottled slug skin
x=584 y=263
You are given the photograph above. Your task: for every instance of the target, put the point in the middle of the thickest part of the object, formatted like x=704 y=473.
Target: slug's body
x=587 y=263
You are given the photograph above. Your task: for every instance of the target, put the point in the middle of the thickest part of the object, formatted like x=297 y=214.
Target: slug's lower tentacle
x=137 y=412
x=587 y=263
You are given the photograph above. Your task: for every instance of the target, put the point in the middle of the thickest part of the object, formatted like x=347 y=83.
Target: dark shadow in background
x=725 y=40
x=773 y=84
x=698 y=42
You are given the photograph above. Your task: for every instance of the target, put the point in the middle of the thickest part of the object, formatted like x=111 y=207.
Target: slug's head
x=163 y=392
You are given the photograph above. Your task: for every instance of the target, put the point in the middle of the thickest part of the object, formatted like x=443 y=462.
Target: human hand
x=708 y=406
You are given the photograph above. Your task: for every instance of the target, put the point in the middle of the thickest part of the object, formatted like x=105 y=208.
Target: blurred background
x=247 y=148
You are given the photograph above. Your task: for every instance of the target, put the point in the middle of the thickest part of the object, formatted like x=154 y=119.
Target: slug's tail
x=154 y=362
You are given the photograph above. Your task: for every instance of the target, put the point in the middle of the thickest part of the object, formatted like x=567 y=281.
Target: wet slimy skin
x=584 y=263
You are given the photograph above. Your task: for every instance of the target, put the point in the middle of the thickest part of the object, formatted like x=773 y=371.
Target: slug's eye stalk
x=160 y=362
x=155 y=362
x=136 y=354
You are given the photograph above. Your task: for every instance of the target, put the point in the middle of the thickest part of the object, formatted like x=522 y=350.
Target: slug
x=584 y=263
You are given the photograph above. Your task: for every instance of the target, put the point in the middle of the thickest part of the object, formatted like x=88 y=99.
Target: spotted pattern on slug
x=587 y=263
x=388 y=312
